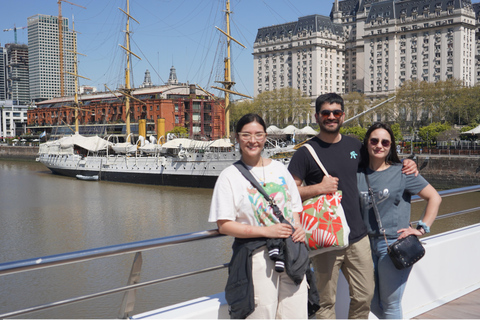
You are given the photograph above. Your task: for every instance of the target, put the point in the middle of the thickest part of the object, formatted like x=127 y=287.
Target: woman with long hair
x=392 y=191
x=258 y=287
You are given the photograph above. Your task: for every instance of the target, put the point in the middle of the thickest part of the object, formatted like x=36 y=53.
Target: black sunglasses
x=336 y=113
x=375 y=141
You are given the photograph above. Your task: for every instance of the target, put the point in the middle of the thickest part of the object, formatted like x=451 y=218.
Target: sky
x=171 y=32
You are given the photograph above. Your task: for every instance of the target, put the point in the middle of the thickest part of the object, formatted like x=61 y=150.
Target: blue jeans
x=389 y=282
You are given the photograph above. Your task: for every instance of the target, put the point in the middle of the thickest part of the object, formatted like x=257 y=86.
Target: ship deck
x=465 y=307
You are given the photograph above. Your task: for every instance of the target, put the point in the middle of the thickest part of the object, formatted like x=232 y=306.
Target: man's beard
x=324 y=128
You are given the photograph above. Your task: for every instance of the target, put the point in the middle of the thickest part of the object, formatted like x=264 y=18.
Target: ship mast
x=75 y=74
x=127 y=91
x=228 y=83
x=60 y=44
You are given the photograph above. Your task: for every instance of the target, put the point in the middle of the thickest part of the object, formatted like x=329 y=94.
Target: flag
x=43 y=134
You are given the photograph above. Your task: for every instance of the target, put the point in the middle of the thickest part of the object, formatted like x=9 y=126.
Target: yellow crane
x=14 y=29
x=60 y=43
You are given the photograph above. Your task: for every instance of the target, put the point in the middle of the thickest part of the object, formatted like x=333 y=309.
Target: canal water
x=45 y=214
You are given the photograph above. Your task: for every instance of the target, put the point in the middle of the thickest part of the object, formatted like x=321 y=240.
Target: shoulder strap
x=315 y=157
x=375 y=209
x=248 y=175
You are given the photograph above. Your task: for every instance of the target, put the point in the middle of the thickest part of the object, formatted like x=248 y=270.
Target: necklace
x=258 y=179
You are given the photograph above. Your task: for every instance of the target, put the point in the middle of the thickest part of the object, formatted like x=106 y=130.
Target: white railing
x=459 y=245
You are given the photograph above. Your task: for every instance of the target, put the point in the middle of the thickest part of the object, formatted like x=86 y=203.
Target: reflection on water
x=44 y=214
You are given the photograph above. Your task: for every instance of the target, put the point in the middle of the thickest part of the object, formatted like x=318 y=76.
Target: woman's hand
x=299 y=234
x=408 y=231
x=278 y=230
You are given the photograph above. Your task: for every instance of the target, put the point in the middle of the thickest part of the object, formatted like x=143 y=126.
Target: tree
x=356 y=131
x=282 y=107
x=240 y=108
x=179 y=131
x=431 y=132
x=355 y=103
x=397 y=132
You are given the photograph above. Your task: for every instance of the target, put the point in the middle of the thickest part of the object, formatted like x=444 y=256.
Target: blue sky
x=171 y=32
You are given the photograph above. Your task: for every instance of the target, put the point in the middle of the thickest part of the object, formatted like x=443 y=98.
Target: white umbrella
x=309 y=131
x=291 y=129
x=474 y=130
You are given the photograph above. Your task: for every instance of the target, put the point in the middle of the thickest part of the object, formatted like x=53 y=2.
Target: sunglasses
x=326 y=113
x=375 y=141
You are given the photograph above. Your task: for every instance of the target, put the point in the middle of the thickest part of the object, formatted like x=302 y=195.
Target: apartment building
x=370 y=46
x=13 y=119
x=3 y=83
x=44 y=57
x=17 y=84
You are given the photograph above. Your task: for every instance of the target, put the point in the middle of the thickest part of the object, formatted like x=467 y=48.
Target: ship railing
x=138 y=247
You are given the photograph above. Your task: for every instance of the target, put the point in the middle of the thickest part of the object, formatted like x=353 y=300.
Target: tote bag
x=323 y=219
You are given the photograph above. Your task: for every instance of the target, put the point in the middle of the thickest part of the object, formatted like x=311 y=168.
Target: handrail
x=139 y=246
x=109 y=251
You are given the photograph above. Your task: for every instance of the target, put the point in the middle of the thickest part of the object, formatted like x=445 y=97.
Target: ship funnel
x=161 y=130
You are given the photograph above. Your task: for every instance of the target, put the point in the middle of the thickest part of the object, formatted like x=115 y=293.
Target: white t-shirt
x=234 y=197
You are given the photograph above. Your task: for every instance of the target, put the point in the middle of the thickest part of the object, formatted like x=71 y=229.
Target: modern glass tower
x=43 y=55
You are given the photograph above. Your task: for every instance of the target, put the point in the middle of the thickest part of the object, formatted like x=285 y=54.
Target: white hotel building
x=370 y=46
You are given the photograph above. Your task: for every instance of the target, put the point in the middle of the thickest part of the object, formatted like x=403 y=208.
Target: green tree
x=282 y=107
x=469 y=127
x=179 y=131
x=240 y=108
x=430 y=133
x=356 y=131
x=397 y=132
x=355 y=103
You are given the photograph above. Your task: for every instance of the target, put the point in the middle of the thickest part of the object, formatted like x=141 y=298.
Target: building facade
x=308 y=55
x=370 y=46
x=13 y=119
x=44 y=61
x=17 y=82
x=3 y=70
x=181 y=105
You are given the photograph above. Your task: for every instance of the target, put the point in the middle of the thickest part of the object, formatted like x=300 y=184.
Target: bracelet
x=422 y=225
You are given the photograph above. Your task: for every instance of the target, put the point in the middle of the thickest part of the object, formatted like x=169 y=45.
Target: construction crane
x=60 y=43
x=14 y=29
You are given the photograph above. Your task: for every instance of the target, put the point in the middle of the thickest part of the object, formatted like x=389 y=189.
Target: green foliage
x=179 y=131
x=239 y=109
x=470 y=127
x=430 y=133
x=282 y=107
x=397 y=132
x=356 y=131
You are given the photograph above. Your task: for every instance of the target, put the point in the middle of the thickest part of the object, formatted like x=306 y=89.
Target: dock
x=465 y=307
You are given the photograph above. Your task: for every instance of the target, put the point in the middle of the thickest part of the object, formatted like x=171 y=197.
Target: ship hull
x=197 y=170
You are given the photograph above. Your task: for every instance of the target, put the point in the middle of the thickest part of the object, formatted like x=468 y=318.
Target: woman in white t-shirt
x=242 y=212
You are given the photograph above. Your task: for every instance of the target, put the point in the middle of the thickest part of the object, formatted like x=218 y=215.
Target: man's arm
x=409 y=167
x=329 y=184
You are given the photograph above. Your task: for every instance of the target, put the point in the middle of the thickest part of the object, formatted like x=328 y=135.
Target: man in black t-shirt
x=341 y=156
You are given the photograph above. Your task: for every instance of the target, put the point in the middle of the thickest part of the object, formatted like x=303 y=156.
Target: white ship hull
x=195 y=169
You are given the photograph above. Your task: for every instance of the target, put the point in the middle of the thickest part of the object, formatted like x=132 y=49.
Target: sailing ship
x=179 y=162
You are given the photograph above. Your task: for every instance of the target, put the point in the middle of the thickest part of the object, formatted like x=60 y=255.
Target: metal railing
x=137 y=248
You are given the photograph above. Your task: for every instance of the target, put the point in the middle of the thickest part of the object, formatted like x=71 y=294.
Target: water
x=44 y=214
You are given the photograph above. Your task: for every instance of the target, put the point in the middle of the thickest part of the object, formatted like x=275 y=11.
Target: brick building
x=181 y=105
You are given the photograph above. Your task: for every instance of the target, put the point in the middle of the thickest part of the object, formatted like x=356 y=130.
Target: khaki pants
x=276 y=295
x=356 y=264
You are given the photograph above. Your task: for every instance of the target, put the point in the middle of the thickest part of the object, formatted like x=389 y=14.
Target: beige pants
x=356 y=264
x=276 y=295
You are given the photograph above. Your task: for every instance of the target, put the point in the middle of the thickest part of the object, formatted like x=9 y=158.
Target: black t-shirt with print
x=341 y=160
